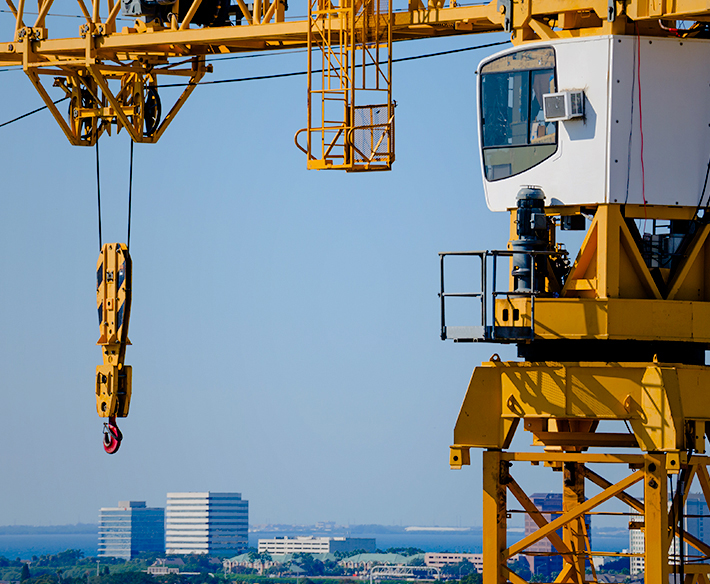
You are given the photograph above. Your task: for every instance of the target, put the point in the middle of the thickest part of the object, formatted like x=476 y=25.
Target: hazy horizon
x=313 y=526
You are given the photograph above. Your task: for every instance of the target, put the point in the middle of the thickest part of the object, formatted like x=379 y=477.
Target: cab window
x=515 y=134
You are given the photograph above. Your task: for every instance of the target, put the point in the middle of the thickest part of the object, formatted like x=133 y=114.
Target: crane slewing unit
x=607 y=135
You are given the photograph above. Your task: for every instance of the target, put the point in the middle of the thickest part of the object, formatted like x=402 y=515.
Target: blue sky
x=285 y=322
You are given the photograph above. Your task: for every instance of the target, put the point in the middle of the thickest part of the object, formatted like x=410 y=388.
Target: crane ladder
x=350 y=106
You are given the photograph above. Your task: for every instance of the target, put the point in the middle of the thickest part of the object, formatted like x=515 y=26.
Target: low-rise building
x=359 y=563
x=362 y=562
x=439 y=560
x=164 y=566
x=260 y=563
x=249 y=560
x=315 y=545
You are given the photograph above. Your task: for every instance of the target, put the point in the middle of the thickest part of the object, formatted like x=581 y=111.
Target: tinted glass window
x=515 y=134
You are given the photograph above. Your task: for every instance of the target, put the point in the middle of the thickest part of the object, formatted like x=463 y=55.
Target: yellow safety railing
x=350 y=106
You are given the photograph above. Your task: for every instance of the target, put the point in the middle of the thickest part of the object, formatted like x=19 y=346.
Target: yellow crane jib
x=113 y=300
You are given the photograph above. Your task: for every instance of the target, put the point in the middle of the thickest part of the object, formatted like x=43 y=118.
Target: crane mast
x=597 y=120
x=608 y=135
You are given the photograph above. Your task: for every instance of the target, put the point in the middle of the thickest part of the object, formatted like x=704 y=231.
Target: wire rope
x=23 y=116
x=98 y=192
x=672 y=519
x=130 y=197
x=283 y=53
x=643 y=168
x=631 y=125
x=680 y=488
x=296 y=73
x=281 y=75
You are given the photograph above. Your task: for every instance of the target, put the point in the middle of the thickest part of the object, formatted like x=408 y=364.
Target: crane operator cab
x=514 y=133
x=608 y=134
x=571 y=116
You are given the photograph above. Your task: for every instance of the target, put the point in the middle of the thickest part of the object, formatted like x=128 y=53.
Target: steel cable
x=98 y=192
x=130 y=198
x=295 y=73
x=278 y=75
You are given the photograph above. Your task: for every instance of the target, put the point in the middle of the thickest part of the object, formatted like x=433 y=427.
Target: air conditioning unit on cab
x=563 y=105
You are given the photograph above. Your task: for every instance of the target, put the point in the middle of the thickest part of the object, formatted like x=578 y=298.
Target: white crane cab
x=612 y=119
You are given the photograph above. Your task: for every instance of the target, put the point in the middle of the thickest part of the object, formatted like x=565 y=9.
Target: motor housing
x=210 y=12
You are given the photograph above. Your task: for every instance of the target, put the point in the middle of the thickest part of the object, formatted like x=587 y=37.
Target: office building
x=131 y=528
x=696 y=522
x=439 y=560
x=316 y=545
x=551 y=506
x=206 y=523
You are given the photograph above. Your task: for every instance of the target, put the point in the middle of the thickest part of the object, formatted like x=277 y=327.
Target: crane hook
x=112 y=436
x=113 y=377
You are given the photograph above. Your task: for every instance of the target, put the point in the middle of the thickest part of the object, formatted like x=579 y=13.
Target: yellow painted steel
x=652 y=514
x=494 y=517
x=662 y=403
x=610 y=294
x=350 y=106
x=614 y=318
x=656 y=533
x=108 y=72
x=113 y=300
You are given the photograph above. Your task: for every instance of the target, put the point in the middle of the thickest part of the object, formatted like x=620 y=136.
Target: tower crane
x=607 y=134
x=597 y=120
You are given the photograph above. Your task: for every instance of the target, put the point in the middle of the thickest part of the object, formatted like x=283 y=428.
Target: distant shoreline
x=440 y=529
x=89 y=528
x=76 y=528
x=353 y=530
x=24 y=541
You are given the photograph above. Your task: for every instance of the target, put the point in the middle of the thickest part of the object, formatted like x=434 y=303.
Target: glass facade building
x=206 y=523
x=697 y=521
x=548 y=563
x=131 y=528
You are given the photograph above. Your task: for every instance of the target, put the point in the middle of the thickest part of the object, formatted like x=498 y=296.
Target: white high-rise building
x=206 y=523
x=696 y=522
x=636 y=546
